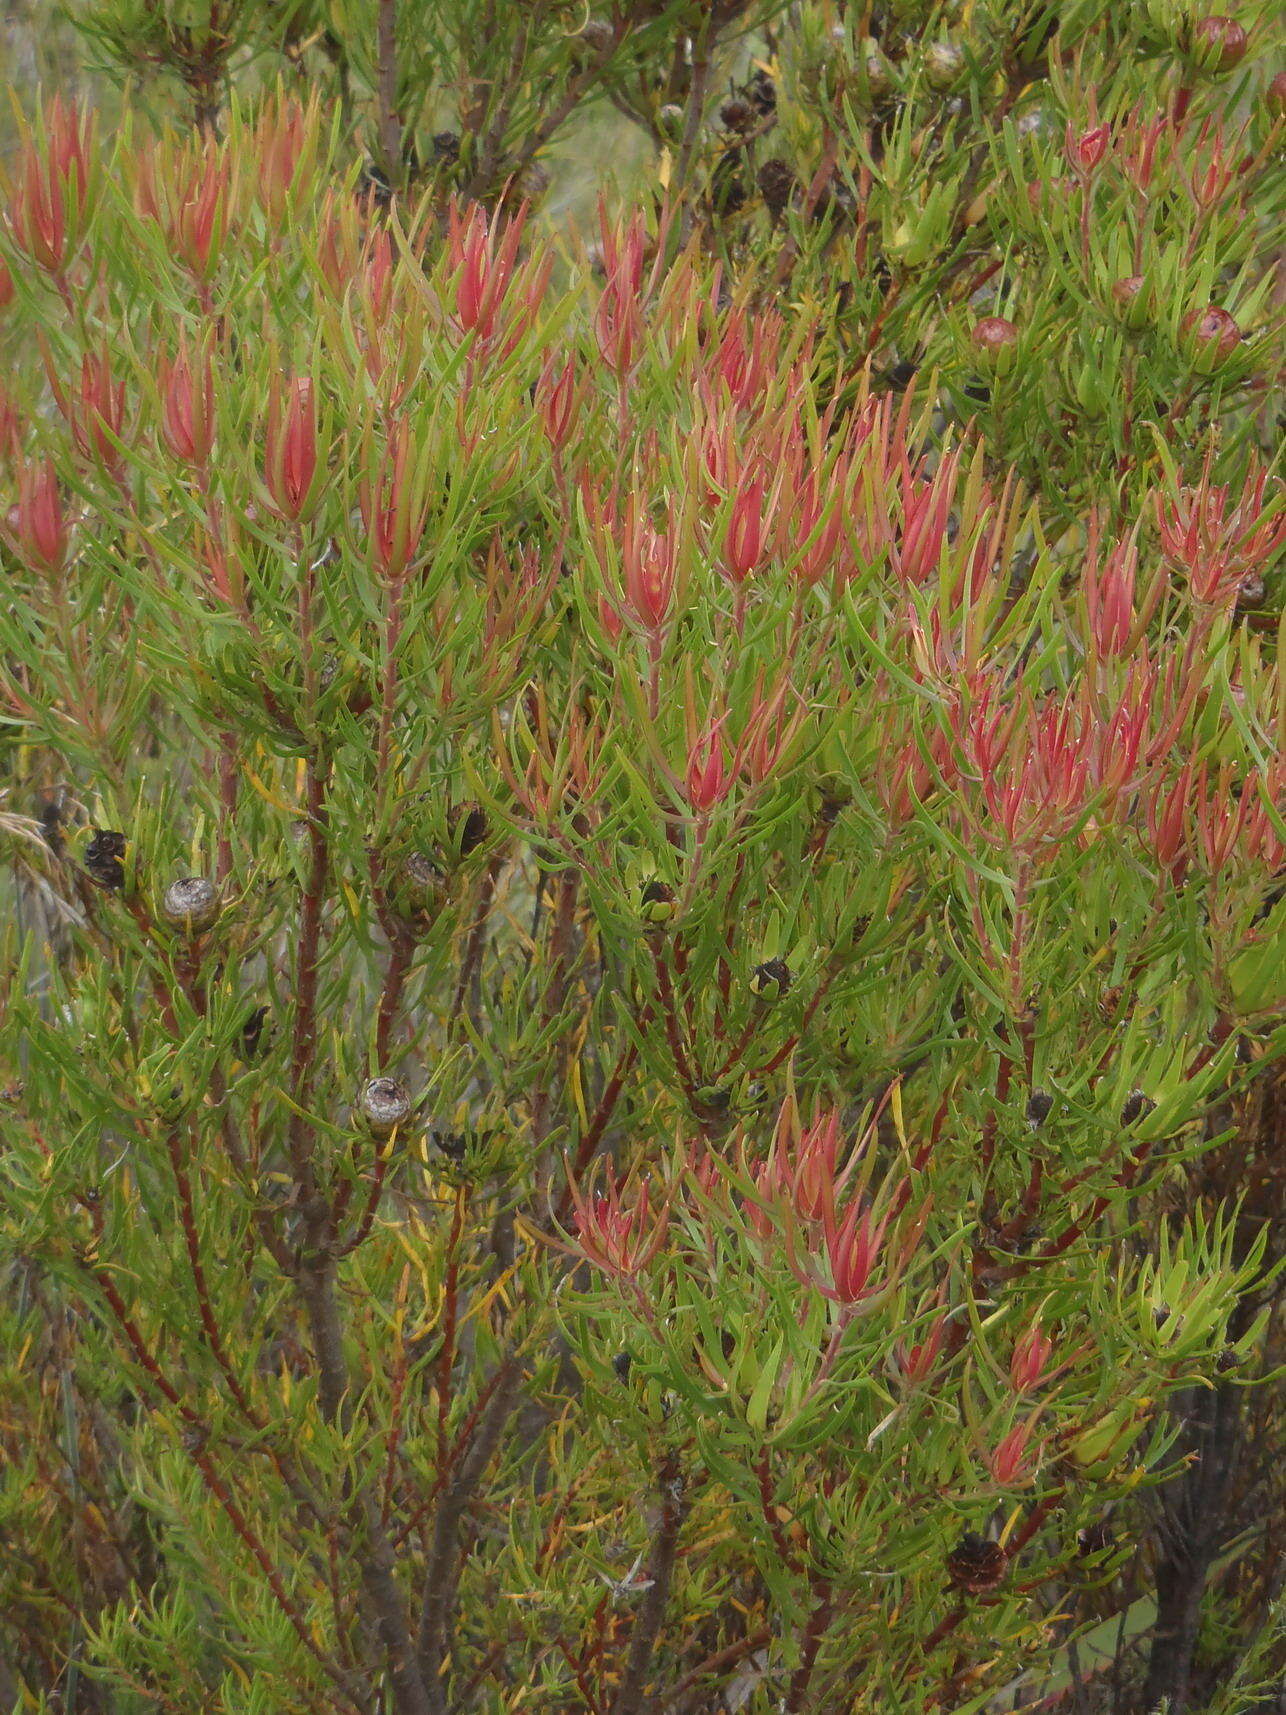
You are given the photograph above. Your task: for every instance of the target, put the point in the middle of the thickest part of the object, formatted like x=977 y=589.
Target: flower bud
x=384 y=1105
x=877 y=71
x=670 y=121
x=1218 y=44
x=596 y=37
x=97 y=413
x=558 y=397
x=1132 y=301
x=1277 y=97
x=423 y=885
x=943 y=64
x=1210 y=336
x=191 y=905
x=995 y=343
x=745 y=540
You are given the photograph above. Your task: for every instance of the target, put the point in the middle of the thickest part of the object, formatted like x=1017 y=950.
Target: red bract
x=290 y=456
x=1209 y=179
x=619 y=1238
x=97 y=424
x=916 y=1362
x=1085 y=150
x=200 y=217
x=1010 y=1462
x=1034 y=766
x=1030 y=1360
x=1114 y=741
x=559 y=395
x=985 y=525
x=10 y=428
x=649 y=566
x=393 y=503
x=852 y=1250
x=39 y=527
x=6 y=286
x=926 y=508
x=187 y=405
x=1109 y=593
x=609 y=618
x=807 y=1173
x=798 y=1179
x=912 y=777
x=744 y=365
x=706 y=781
x=1137 y=142
x=377 y=265
x=1167 y=824
x=342 y=243
x=285 y=146
x=1232 y=821
x=618 y=321
x=1216 y=549
x=484 y=268
x=743 y=545
x=717 y=460
x=767 y=732
x=815 y=528
x=48 y=213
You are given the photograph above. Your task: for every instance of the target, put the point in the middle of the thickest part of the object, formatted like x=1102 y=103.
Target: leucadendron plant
x=630 y=958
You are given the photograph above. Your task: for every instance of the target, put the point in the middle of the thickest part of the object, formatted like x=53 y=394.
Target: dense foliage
x=643 y=1011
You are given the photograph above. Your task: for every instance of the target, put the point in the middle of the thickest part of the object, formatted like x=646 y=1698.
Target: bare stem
x=389 y=120
x=647 y=1625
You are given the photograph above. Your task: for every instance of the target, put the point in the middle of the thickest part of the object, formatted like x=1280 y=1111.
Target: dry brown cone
x=776 y=183
x=976 y=1564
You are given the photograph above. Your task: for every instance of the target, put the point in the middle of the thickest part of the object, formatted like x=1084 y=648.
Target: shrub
x=644 y=1027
